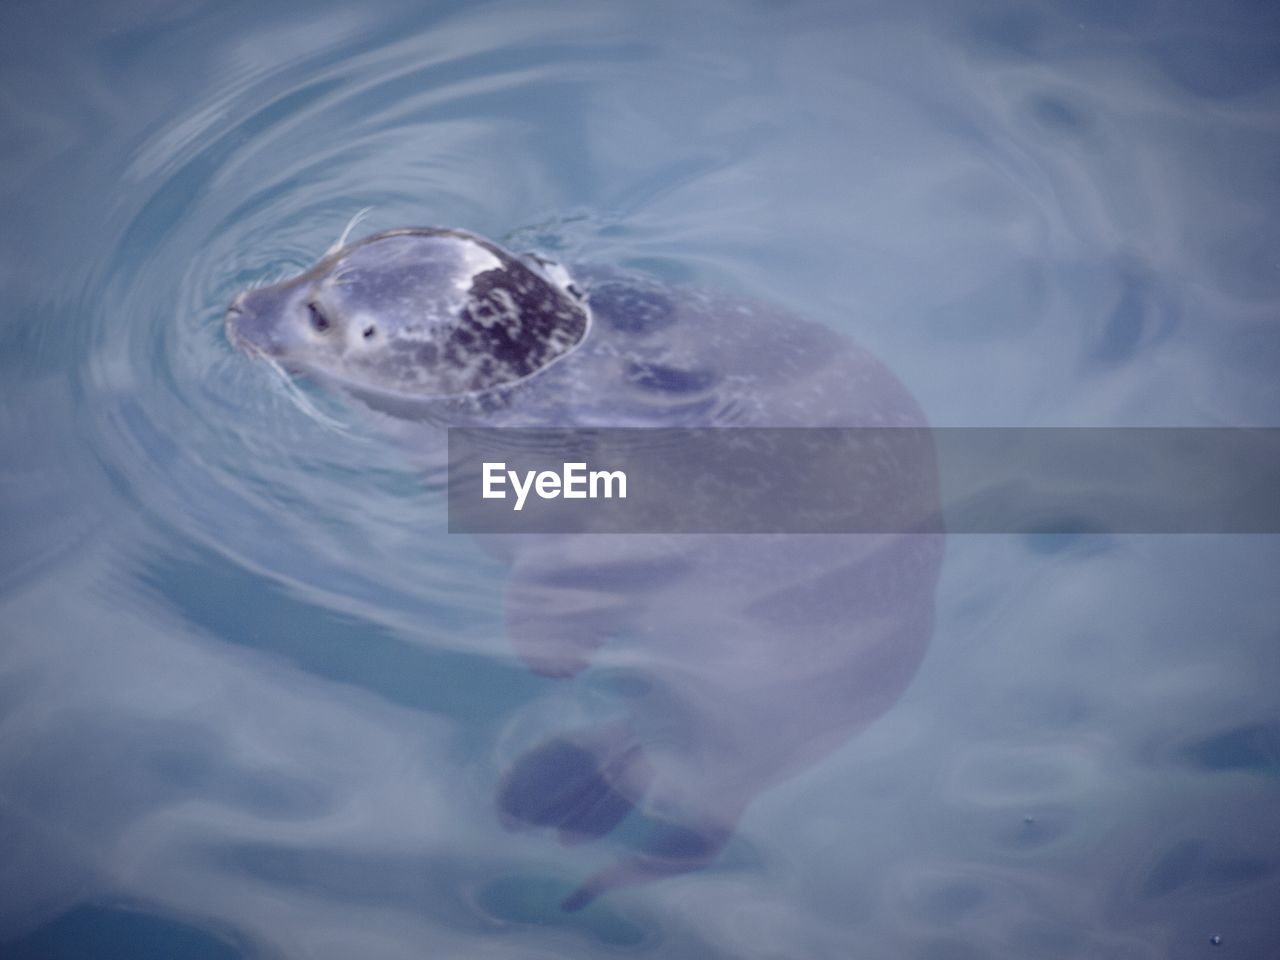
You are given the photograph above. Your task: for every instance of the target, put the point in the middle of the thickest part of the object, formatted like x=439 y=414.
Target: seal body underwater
x=739 y=660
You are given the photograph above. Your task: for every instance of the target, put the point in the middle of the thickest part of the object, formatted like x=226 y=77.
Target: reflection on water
x=255 y=702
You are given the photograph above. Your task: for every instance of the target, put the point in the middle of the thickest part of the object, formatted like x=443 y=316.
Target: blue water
x=254 y=701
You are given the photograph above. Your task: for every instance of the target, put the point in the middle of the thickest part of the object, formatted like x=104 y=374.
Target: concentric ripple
x=250 y=186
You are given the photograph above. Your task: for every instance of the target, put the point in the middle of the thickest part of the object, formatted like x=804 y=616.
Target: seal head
x=418 y=312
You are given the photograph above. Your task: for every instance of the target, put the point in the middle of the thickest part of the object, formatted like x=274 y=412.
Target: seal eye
x=319 y=322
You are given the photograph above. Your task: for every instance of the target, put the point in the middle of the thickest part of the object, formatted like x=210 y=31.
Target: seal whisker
x=257 y=283
x=351 y=225
x=300 y=399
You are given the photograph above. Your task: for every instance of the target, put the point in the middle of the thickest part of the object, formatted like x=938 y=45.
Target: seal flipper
x=559 y=784
x=556 y=630
x=583 y=785
x=567 y=595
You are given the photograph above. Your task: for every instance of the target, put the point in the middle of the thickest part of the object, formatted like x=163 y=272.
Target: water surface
x=255 y=702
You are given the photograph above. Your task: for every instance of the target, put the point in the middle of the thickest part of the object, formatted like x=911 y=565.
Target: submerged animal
x=740 y=660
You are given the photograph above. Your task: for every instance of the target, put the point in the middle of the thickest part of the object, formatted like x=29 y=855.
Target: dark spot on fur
x=631 y=309
x=655 y=376
x=512 y=316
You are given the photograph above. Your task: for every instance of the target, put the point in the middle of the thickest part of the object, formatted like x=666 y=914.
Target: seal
x=415 y=312
x=739 y=660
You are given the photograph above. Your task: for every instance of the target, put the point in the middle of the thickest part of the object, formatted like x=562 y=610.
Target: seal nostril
x=318 y=320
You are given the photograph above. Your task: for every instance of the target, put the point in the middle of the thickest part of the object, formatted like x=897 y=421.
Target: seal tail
x=624 y=872
x=669 y=849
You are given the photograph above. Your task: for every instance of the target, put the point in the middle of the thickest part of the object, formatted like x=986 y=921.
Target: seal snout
x=253 y=321
x=232 y=323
